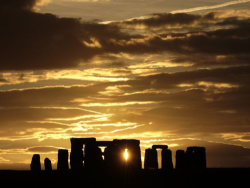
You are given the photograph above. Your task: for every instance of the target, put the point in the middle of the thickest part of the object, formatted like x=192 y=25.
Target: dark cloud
x=18 y=4
x=105 y=32
x=238 y=28
x=215 y=37
x=3 y=80
x=193 y=43
x=232 y=75
x=45 y=41
x=38 y=114
x=170 y=20
x=207 y=60
x=58 y=96
x=39 y=41
x=226 y=36
x=116 y=64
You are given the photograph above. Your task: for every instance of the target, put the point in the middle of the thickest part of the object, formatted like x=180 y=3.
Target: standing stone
x=160 y=146
x=150 y=160
x=166 y=157
x=93 y=157
x=190 y=157
x=35 y=163
x=134 y=154
x=196 y=157
x=200 y=157
x=47 y=164
x=180 y=159
x=109 y=157
x=80 y=158
x=62 y=163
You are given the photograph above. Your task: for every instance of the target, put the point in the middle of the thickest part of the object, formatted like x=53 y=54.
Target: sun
x=126 y=154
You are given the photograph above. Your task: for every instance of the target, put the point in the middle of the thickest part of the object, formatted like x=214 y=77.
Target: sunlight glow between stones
x=126 y=154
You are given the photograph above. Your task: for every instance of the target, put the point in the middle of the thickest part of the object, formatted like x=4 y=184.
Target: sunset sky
x=165 y=72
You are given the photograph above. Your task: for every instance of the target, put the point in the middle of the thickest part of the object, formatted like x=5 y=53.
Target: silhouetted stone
x=200 y=157
x=47 y=164
x=35 y=163
x=104 y=143
x=160 y=146
x=190 y=157
x=114 y=159
x=93 y=157
x=196 y=157
x=104 y=161
x=150 y=159
x=166 y=158
x=113 y=154
x=62 y=163
x=77 y=155
x=110 y=157
x=180 y=159
x=85 y=153
x=134 y=152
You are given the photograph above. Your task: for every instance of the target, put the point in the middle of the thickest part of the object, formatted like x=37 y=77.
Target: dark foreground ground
x=207 y=178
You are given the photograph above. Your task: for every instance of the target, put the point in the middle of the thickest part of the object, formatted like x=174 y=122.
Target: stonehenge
x=118 y=154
